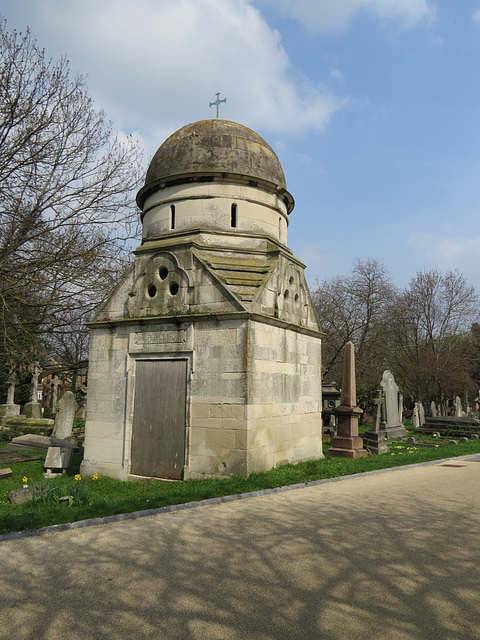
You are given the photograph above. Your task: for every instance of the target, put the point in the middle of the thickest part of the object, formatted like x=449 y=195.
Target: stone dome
x=215 y=149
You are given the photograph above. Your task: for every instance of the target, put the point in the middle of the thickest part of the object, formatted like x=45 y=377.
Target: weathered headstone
x=347 y=443
x=421 y=413
x=33 y=409
x=58 y=459
x=433 y=409
x=10 y=408
x=388 y=416
x=393 y=423
x=19 y=496
x=67 y=406
x=458 y=408
x=415 y=417
x=5 y=473
x=82 y=402
x=30 y=441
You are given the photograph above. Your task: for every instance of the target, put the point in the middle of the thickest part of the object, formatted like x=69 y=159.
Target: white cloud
x=335 y=73
x=476 y=16
x=326 y=16
x=155 y=66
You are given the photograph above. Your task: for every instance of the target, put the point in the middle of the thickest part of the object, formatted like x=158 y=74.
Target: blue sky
x=373 y=107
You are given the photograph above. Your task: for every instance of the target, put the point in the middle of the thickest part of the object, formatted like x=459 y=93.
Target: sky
x=373 y=107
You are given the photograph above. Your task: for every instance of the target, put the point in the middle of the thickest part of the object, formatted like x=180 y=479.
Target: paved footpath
x=390 y=556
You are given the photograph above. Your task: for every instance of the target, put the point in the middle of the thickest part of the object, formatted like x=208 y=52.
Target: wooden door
x=159 y=414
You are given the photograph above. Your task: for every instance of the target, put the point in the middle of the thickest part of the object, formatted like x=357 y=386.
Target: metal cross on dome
x=217 y=102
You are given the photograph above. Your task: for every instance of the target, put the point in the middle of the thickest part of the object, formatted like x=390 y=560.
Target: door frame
x=131 y=366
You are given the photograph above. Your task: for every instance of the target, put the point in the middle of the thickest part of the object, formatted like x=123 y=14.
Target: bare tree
x=67 y=187
x=355 y=308
x=430 y=321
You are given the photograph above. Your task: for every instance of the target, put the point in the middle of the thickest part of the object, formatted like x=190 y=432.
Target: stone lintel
x=207 y=317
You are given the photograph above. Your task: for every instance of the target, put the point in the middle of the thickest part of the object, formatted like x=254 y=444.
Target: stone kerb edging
x=28 y=533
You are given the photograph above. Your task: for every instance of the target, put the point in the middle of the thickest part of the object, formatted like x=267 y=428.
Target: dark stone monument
x=347 y=443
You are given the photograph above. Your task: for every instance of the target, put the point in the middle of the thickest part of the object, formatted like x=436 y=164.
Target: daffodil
x=24 y=479
x=78 y=477
x=95 y=476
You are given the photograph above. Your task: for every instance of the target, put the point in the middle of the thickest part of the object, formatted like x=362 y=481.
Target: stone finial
x=349 y=389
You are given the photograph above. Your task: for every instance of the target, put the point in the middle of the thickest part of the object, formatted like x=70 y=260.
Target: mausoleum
x=205 y=360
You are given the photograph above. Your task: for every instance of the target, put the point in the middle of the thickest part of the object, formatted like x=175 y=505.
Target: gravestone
x=393 y=425
x=347 y=443
x=375 y=440
x=458 y=408
x=421 y=413
x=433 y=409
x=19 y=496
x=33 y=409
x=57 y=460
x=388 y=420
x=415 y=417
x=31 y=441
x=10 y=408
x=67 y=407
x=82 y=400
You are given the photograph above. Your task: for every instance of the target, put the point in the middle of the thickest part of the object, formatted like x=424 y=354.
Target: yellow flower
x=24 y=479
x=78 y=477
x=95 y=476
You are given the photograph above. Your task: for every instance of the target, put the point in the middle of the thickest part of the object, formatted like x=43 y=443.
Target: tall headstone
x=415 y=417
x=10 y=408
x=421 y=413
x=458 y=408
x=347 y=443
x=388 y=419
x=393 y=423
x=433 y=409
x=33 y=409
x=67 y=406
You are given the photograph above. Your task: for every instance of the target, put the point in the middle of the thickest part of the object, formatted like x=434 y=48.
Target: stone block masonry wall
x=104 y=428
x=256 y=398
x=285 y=409
x=218 y=399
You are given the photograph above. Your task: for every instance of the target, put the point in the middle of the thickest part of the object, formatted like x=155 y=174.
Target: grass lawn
x=90 y=498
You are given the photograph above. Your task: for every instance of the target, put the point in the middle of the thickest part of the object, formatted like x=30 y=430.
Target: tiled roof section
x=244 y=277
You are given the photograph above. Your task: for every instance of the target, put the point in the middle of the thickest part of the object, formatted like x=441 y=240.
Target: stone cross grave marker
x=33 y=409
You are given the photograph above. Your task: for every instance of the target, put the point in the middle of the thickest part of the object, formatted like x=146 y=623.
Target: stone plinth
x=347 y=443
x=9 y=410
x=32 y=410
